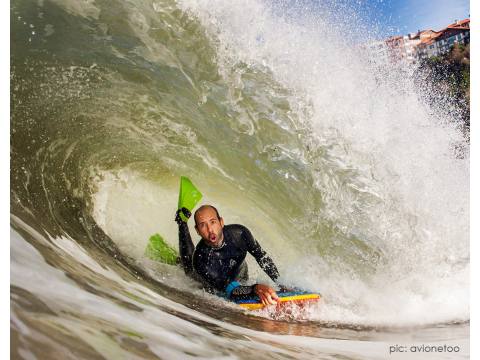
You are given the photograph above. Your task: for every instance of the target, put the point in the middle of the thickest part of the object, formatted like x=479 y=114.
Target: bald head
x=203 y=208
x=209 y=225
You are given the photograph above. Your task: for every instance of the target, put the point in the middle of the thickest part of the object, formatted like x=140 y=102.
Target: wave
x=326 y=152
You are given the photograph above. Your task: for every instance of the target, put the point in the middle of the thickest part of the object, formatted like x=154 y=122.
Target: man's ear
x=196 y=229
x=221 y=222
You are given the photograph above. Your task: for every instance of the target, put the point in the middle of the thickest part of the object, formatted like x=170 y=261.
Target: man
x=218 y=261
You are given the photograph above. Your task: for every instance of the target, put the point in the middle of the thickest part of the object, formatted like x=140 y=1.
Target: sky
x=384 y=17
x=412 y=15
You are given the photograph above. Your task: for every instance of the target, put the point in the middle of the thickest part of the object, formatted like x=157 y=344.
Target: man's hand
x=185 y=212
x=267 y=295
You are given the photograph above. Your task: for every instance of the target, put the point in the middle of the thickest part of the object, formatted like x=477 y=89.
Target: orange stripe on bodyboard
x=301 y=298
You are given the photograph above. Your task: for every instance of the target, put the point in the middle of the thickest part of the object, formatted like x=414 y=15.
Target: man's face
x=209 y=226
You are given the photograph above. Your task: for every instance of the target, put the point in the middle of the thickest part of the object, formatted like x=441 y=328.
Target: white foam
x=130 y=209
x=405 y=193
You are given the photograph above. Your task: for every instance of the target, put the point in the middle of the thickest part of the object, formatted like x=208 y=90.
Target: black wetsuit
x=224 y=267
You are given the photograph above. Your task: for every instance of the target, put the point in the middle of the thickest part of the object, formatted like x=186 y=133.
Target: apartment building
x=428 y=43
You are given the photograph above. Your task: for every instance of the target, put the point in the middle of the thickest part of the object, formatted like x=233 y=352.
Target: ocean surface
x=283 y=118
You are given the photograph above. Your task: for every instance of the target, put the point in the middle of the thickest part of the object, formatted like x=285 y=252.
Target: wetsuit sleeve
x=186 y=248
x=242 y=292
x=254 y=248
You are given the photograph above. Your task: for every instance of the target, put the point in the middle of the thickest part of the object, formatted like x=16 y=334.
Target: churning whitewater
x=330 y=155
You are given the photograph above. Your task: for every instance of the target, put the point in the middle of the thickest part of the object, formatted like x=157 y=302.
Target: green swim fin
x=158 y=250
x=189 y=195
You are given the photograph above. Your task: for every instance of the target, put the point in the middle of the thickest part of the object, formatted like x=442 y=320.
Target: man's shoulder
x=235 y=228
x=238 y=231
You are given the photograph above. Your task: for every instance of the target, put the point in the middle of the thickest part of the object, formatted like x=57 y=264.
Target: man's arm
x=265 y=261
x=267 y=295
x=185 y=243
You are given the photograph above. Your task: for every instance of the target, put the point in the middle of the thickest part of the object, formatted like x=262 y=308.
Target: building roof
x=430 y=34
x=394 y=38
x=434 y=35
x=459 y=25
x=426 y=38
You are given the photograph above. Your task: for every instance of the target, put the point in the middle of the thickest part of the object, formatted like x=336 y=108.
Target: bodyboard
x=298 y=297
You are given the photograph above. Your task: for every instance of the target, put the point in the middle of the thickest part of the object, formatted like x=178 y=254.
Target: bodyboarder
x=218 y=260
